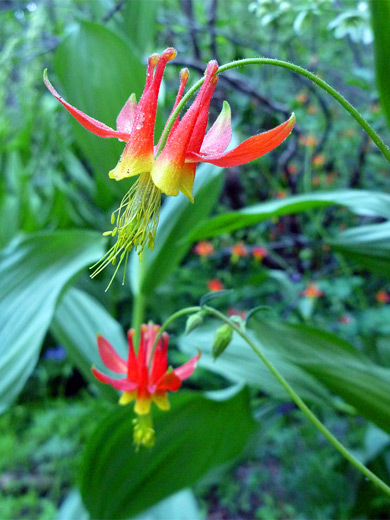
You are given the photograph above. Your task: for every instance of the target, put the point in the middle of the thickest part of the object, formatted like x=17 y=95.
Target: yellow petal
x=142 y=406
x=161 y=400
x=127 y=397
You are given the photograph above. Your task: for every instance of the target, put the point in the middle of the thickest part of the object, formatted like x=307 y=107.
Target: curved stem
x=300 y=403
x=165 y=325
x=295 y=68
x=139 y=304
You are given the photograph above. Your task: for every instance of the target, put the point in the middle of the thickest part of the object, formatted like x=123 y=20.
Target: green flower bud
x=194 y=321
x=222 y=338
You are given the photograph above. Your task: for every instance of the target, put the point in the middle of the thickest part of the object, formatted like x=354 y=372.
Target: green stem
x=165 y=325
x=295 y=68
x=300 y=403
x=139 y=304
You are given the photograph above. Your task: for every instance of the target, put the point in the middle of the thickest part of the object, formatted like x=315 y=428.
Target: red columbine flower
x=215 y=285
x=382 y=297
x=148 y=377
x=173 y=170
x=259 y=253
x=238 y=251
x=312 y=291
x=204 y=248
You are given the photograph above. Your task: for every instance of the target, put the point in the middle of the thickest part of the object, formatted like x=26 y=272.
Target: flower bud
x=222 y=338
x=194 y=321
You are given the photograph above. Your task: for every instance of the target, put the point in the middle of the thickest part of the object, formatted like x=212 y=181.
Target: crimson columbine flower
x=312 y=291
x=215 y=285
x=147 y=377
x=173 y=170
x=204 y=248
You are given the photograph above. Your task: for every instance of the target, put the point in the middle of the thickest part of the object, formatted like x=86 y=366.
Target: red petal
x=169 y=381
x=132 y=365
x=125 y=119
x=137 y=157
x=167 y=169
x=88 y=122
x=110 y=358
x=219 y=136
x=120 y=384
x=160 y=359
x=250 y=149
x=187 y=369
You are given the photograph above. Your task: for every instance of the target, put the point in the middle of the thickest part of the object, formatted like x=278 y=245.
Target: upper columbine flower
x=147 y=376
x=172 y=170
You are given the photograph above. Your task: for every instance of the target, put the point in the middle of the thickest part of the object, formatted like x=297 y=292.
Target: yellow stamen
x=136 y=223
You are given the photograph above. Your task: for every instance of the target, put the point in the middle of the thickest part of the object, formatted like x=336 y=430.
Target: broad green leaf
x=334 y=363
x=369 y=246
x=77 y=321
x=33 y=273
x=239 y=364
x=177 y=219
x=195 y=436
x=361 y=202
x=98 y=71
x=380 y=18
x=138 y=23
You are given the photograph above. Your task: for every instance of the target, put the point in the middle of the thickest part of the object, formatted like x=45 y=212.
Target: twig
x=355 y=179
x=112 y=12
x=212 y=18
x=186 y=6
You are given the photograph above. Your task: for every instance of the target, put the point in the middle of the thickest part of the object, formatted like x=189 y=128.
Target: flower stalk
x=294 y=396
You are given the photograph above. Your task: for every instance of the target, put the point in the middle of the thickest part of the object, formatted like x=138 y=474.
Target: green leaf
x=369 y=246
x=240 y=364
x=33 y=272
x=77 y=321
x=380 y=19
x=196 y=435
x=177 y=219
x=98 y=71
x=358 y=201
x=139 y=24
x=334 y=363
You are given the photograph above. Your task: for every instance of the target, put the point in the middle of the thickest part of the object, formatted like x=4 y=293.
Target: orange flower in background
x=301 y=97
x=308 y=141
x=312 y=109
x=204 y=248
x=281 y=194
x=318 y=160
x=312 y=291
x=215 y=285
x=239 y=250
x=259 y=253
x=147 y=377
x=173 y=170
x=292 y=169
x=316 y=180
x=382 y=297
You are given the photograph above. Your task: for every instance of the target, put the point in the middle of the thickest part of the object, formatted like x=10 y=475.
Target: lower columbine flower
x=172 y=170
x=148 y=378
